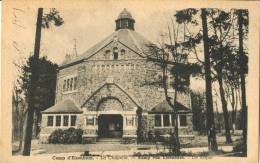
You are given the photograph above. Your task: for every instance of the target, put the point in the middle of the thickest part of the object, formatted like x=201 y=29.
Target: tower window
x=115 y=53
x=122 y=52
x=107 y=54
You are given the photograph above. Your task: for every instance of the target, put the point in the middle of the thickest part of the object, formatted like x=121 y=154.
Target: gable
x=113 y=93
x=123 y=38
x=108 y=52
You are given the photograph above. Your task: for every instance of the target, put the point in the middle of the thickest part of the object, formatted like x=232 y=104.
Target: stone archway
x=110 y=103
x=110 y=124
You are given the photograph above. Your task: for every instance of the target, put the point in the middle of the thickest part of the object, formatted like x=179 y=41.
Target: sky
x=87 y=26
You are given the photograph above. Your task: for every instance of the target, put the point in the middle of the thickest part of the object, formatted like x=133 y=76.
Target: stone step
x=109 y=140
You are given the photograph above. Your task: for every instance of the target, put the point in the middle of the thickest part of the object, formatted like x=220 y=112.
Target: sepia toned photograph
x=122 y=81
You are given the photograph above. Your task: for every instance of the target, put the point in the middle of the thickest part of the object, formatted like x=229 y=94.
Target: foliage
x=44 y=95
x=52 y=16
x=172 y=143
x=68 y=136
x=240 y=147
x=198 y=109
x=186 y=16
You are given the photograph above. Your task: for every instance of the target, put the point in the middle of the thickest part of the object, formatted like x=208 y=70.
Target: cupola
x=125 y=20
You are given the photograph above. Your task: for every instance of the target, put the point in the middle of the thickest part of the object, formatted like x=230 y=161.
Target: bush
x=240 y=147
x=56 y=136
x=68 y=136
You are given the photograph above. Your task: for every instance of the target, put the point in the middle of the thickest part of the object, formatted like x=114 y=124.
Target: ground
x=199 y=145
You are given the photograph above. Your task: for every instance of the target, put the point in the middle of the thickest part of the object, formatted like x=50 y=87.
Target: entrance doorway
x=110 y=126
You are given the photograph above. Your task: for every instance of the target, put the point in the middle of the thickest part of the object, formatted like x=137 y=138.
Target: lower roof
x=164 y=107
x=66 y=106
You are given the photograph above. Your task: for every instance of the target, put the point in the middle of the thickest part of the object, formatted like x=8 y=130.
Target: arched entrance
x=110 y=126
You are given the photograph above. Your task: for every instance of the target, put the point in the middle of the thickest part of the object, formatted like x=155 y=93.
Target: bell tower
x=125 y=21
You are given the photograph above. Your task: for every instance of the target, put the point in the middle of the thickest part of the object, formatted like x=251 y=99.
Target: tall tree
x=189 y=16
x=18 y=114
x=209 y=102
x=220 y=48
x=172 y=59
x=242 y=29
x=53 y=16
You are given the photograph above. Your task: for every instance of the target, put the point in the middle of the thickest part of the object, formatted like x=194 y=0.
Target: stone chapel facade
x=101 y=90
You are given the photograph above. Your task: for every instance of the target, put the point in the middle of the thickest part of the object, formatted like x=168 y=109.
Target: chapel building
x=101 y=91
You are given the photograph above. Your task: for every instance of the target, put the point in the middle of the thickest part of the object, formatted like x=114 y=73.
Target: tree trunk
x=218 y=124
x=37 y=121
x=21 y=130
x=176 y=130
x=140 y=132
x=224 y=107
x=242 y=76
x=176 y=149
x=212 y=143
x=233 y=109
x=34 y=78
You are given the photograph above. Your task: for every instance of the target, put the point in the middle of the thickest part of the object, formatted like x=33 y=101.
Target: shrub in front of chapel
x=56 y=137
x=73 y=136
x=68 y=136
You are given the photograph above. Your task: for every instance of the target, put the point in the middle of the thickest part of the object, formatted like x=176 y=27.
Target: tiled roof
x=125 y=14
x=127 y=37
x=66 y=106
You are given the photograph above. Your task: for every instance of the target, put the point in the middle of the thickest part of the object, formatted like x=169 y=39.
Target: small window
x=183 y=120
x=130 y=121
x=65 y=120
x=50 y=121
x=166 y=120
x=64 y=85
x=68 y=84
x=122 y=52
x=75 y=83
x=115 y=53
x=158 y=122
x=103 y=67
x=73 y=120
x=173 y=122
x=90 y=121
x=58 y=120
x=107 y=54
x=71 y=84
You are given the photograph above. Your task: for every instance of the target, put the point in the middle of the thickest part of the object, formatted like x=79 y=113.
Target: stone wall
x=132 y=72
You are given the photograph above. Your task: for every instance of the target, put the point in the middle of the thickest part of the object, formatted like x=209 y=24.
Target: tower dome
x=125 y=20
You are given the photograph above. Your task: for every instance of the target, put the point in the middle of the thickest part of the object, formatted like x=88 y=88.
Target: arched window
x=115 y=53
x=122 y=52
x=107 y=54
